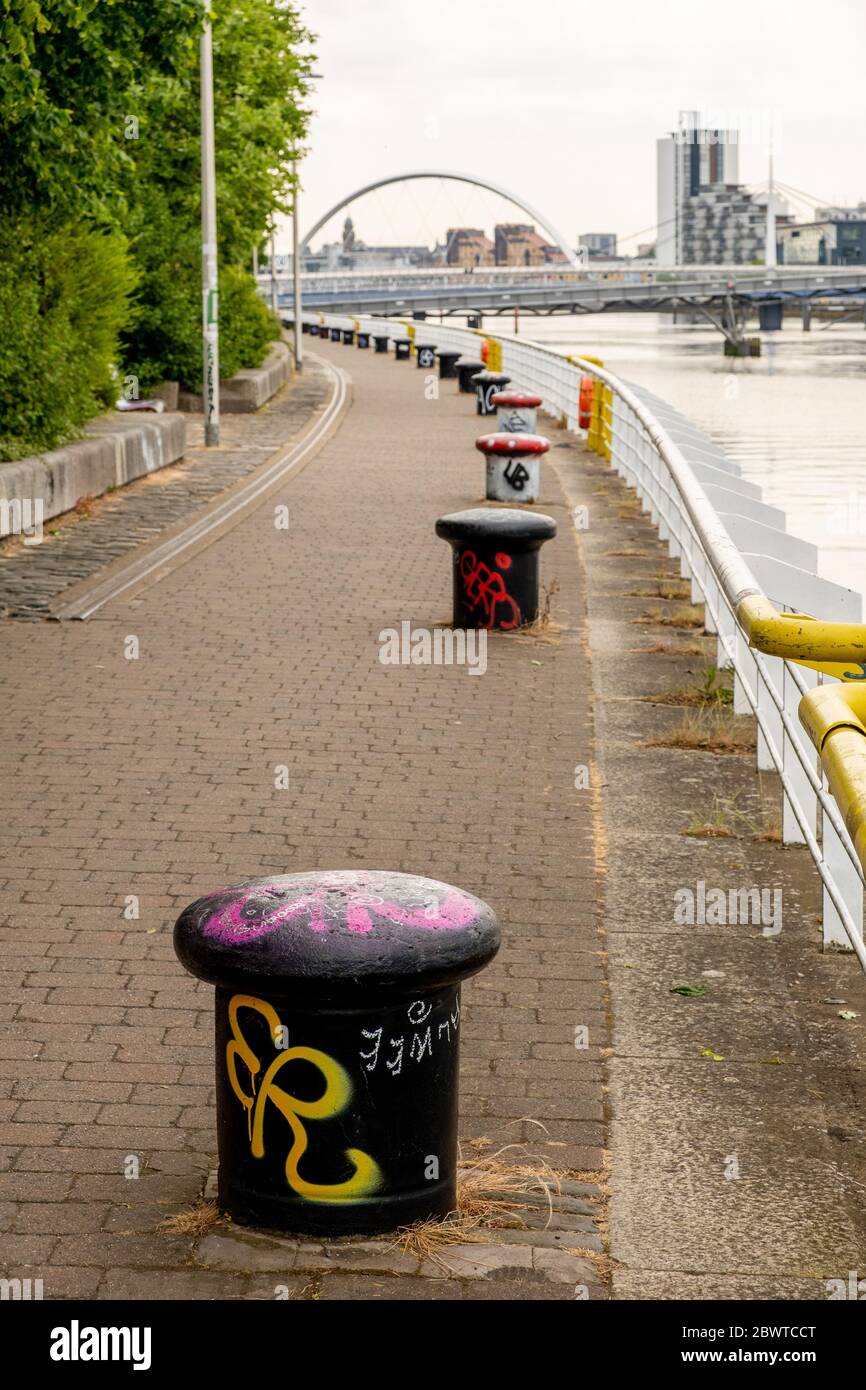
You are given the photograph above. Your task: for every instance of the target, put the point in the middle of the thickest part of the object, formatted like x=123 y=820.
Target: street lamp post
x=209 y=280
x=296 y=275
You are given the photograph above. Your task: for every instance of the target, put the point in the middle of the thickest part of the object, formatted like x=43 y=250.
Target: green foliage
x=69 y=70
x=64 y=294
x=259 y=85
x=99 y=126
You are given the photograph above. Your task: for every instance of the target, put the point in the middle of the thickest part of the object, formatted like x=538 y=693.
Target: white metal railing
x=681 y=478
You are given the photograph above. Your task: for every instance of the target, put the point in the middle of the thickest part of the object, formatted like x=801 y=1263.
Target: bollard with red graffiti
x=495 y=565
x=513 y=467
x=337 y=1030
x=516 y=411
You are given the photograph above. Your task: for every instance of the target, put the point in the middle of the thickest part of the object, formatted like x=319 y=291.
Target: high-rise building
x=693 y=161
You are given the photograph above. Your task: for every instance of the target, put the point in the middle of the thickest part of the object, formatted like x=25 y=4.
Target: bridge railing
x=794 y=673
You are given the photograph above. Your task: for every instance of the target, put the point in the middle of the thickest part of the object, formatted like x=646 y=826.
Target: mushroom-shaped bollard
x=513 y=465
x=516 y=411
x=495 y=565
x=335 y=335
x=467 y=368
x=348 y=336
x=447 y=364
x=486 y=386
x=363 y=339
x=380 y=342
x=402 y=349
x=315 y=330
x=337 y=1028
x=425 y=354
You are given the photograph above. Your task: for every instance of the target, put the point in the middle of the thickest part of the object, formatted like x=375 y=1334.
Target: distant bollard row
x=495 y=554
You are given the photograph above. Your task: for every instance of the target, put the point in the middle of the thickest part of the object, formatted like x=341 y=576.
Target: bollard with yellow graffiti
x=337 y=1031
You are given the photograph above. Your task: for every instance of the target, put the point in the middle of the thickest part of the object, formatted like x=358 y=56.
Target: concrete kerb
x=116 y=450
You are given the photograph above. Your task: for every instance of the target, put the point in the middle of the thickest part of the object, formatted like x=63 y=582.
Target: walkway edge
x=154 y=560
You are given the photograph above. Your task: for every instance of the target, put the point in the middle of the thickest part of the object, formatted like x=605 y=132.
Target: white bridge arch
x=530 y=211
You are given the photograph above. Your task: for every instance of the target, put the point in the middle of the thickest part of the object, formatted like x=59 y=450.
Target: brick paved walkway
x=154 y=778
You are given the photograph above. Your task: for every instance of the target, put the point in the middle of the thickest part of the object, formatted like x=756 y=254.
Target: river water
x=794 y=418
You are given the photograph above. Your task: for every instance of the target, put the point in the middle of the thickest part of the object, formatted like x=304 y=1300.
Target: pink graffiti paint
x=334 y=904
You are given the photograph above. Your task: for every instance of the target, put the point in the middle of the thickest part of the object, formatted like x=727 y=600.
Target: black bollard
x=305 y=326
x=314 y=330
x=447 y=364
x=337 y=1028
x=335 y=335
x=467 y=368
x=402 y=349
x=495 y=565
x=486 y=385
x=380 y=342
x=348 y=336
x=425 y=354
x=363 y=339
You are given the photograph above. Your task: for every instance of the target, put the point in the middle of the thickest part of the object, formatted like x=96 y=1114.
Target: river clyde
x=794 y=418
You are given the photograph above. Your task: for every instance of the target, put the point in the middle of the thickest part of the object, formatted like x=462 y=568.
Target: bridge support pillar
x=770 y=316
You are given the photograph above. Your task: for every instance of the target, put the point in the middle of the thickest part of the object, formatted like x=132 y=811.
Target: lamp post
x=209 y=281
x=296 y=275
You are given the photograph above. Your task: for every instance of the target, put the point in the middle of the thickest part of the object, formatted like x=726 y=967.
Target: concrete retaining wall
x=249 y=389
x=116 y=449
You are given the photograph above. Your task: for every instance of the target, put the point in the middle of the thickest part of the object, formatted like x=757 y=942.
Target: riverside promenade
x=668 y=1111
x=135 y=784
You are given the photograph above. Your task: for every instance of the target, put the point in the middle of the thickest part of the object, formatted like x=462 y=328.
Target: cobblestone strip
x=78 y=545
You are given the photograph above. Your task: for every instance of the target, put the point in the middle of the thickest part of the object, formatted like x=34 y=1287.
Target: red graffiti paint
x=485 y=589
x=503 y=561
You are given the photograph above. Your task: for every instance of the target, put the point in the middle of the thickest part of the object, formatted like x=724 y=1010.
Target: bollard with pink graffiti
x=337 y=1030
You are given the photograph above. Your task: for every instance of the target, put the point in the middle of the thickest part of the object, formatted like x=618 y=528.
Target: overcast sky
x=562 y=102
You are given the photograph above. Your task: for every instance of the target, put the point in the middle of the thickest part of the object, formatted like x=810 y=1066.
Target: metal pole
x=275 y=303
x=209 y=281
x=770 y=245
x=296 y=275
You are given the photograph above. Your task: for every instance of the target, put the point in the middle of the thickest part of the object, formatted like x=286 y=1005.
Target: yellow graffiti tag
x=367 y=1177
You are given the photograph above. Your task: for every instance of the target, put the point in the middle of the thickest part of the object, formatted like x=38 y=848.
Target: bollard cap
x=327 y=936
x=512 y=445
x=490 y=378
x=495 y=526
x=448 y=352
x=516 y=399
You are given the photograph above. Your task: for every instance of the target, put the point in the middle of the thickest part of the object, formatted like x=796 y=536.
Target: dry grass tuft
x=488 y=1198
x=195 y=1221
x=714 y=729
x=668 y=649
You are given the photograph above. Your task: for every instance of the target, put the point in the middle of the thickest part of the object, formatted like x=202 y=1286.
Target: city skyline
x=756 y=75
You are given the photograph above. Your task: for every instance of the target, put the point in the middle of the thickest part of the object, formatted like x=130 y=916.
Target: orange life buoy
x=485 y=351
x=584 y=409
